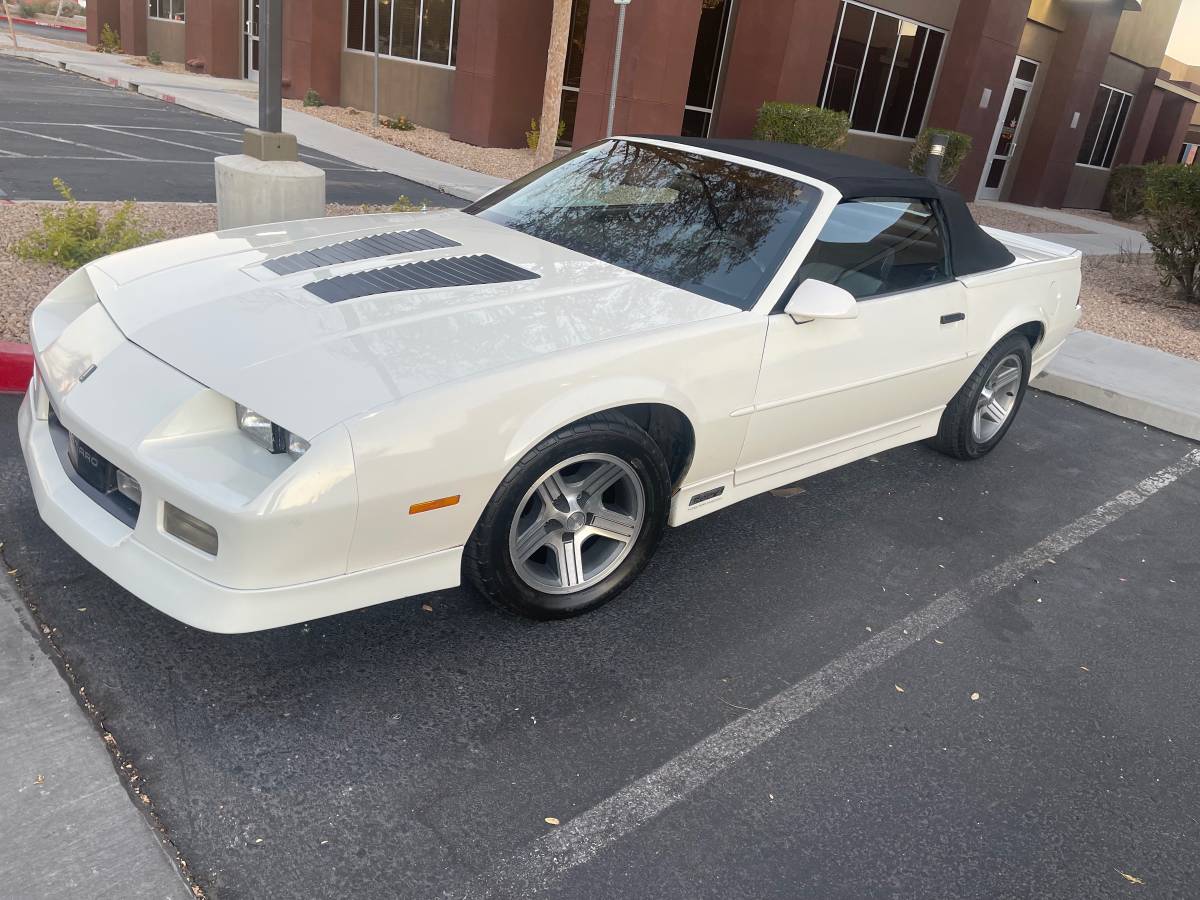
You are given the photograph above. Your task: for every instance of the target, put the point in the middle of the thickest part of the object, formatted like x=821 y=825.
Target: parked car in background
x=258 y=427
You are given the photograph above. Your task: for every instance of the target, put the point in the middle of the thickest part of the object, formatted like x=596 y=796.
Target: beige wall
x=884 y=149
x=1142 y=36
x=1121 y=73
x=1086 y=189
x=419 y=91
x=939 y=13
x=166 y=37
x=1049 y=13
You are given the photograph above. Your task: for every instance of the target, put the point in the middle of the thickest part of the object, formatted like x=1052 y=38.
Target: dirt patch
x=24 y=283
x=1123 y=298
x=1137 y=223
x=506 y=163
x=1022 y=223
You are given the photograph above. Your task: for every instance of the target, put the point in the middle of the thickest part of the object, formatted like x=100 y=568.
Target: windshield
x=710 y=226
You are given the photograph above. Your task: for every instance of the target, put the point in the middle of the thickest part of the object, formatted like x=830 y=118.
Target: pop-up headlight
x=268 y=435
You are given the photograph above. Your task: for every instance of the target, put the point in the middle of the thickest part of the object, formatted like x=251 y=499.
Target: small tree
x=1173 y=208
x=556 y=61
x=958 y=145
x=1125 y=195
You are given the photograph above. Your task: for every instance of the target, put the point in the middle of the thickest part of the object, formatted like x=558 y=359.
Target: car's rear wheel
x=574 y=522
x=981 y=413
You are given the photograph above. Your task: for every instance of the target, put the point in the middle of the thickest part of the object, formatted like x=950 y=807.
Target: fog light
x=189 y=529
x=128 y=486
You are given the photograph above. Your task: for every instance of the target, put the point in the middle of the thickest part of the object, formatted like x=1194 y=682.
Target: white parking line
x=591 y=832
x=58 y=140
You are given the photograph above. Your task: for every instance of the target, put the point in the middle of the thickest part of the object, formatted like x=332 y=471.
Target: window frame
x=826 y=77
x=1114 y=140
x=170 y=4
x=451 y=44
x=935 y=207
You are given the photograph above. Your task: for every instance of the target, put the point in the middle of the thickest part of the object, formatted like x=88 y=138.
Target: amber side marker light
x=433 y=504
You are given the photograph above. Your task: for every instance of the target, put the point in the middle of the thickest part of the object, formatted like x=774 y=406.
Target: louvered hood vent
x=453 y=271
x=371 y=247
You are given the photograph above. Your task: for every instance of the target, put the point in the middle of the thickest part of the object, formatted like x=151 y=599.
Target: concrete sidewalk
x=69 y=828
x=1128 y=380
x=237 y=101
x=1107 y=239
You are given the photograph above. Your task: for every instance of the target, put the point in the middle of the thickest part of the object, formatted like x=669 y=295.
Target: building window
x=707 y=60
x=573 y=68
x=881 y=70
x=175 y=10
x=421 y=30
x=1104 y=127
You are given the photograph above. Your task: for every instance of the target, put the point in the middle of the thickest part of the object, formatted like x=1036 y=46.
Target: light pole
x=376 y=73
x=270 y=85
x=612 y=93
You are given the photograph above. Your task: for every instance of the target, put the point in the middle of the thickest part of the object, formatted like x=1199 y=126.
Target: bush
x=26 y=10
x=534 y=134
x=110 y=40
x=399 y=123
x=403 y=204
x=1125 y=196
x=154 y=58
x=1173 y=208
x=76 y=235
x=958 y=146
x=799 y=123
x=312 y=98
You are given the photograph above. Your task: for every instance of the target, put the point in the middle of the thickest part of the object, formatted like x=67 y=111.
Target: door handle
x=953 y=317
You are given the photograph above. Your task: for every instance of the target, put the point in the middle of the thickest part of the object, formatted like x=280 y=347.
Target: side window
x=872 y=247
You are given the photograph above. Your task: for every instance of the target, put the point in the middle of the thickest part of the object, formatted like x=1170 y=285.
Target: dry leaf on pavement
x=1132 y=879
x=550 y=820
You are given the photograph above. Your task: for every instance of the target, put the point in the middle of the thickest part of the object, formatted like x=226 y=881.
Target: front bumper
x=113 y=547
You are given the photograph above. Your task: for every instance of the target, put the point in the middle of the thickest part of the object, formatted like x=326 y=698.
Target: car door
x=829 y=386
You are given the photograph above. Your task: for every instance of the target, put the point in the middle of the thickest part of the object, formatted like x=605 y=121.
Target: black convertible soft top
x=971 y=248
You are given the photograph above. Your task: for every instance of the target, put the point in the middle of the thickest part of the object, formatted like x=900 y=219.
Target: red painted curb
x=23 y=21
x=16 y=367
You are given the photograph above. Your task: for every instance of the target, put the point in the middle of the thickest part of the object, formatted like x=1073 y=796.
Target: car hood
x=208 y=306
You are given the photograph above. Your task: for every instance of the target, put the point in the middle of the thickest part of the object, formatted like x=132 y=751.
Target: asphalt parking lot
x=112 y=144
x=782 y=706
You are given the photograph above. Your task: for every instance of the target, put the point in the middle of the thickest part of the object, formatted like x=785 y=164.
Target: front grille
x=92 y=473
x=451 y=271
x=370 y=247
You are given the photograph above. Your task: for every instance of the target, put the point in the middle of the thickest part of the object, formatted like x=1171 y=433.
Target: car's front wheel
x=574 y=522
x=981 y=413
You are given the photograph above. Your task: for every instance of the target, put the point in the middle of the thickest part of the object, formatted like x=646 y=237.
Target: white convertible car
x=262 y=426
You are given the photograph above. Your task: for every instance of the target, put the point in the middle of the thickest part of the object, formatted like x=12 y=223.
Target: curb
x=16 y=367
x=21 y=20
x=1127 y=380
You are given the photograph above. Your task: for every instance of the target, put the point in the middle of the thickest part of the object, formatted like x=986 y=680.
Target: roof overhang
x=1172 y=88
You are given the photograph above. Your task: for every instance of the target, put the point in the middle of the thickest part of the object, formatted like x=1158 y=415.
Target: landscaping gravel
x=23 y=282
x=1009 y=220
x=1123 y=298
x=508 y=163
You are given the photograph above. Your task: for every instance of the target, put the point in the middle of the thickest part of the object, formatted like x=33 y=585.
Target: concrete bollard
x=267 y=183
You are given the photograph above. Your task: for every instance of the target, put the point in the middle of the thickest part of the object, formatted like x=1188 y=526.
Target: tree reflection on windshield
x=710 y=226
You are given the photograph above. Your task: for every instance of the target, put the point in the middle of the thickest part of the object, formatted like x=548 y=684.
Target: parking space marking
x=58 y=140
x=591 y=832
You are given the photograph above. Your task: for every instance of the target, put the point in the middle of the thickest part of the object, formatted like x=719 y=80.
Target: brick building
x=1053 y=92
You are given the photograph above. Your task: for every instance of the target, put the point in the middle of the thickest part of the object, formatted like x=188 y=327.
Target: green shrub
x=399 y=123
x=1173 y=208
x=154 y=58
x=312 y=98
x=26 y=10
x=958 y=146
x=800 y=123
x=77 y=234
x=110 y=40
x=534 y=134
x=403 y=204
x=1125 y=196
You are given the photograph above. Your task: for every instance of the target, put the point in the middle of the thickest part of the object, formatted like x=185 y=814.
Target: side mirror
x=814 y=299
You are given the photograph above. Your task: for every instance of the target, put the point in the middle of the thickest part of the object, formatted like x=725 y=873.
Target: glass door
x=1008 y=127
x=250 y=40
x=707 y=61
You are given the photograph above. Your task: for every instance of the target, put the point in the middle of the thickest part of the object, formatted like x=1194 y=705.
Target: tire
x=592 y=544
x=960 y=433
